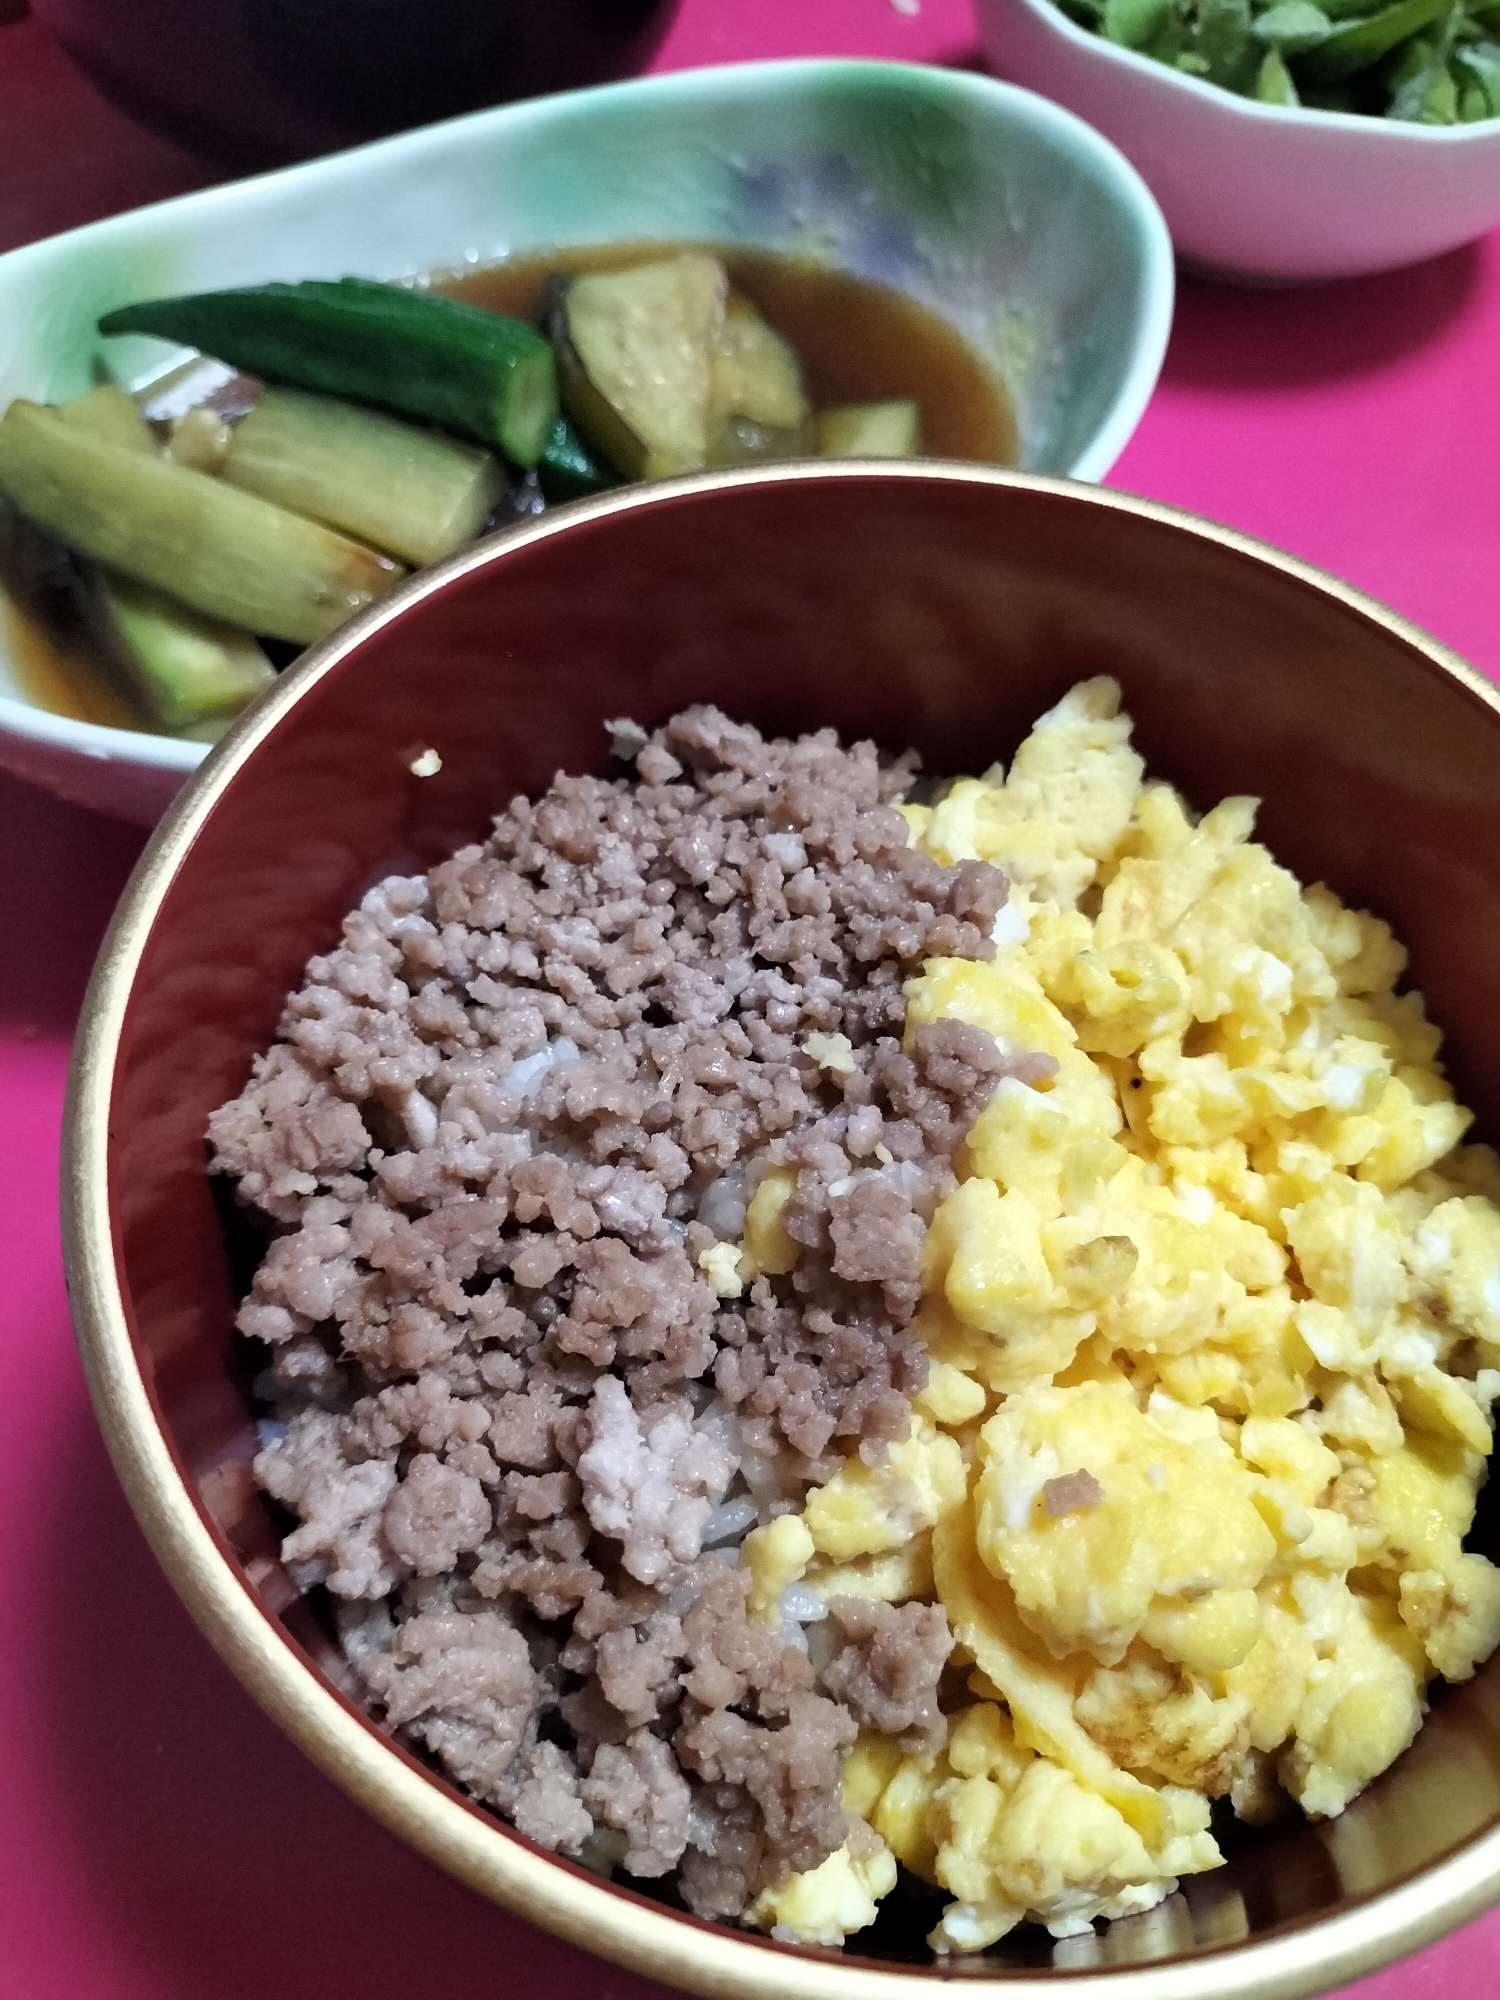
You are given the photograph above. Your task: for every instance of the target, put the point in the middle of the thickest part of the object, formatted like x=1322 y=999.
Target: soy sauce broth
x=67 y=679
x=858 y=342
x=55 y=661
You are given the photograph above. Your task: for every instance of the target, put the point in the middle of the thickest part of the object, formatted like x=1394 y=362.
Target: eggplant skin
x=408 y=490
x=229 y=554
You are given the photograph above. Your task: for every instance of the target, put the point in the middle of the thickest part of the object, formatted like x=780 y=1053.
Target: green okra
x=471 y=371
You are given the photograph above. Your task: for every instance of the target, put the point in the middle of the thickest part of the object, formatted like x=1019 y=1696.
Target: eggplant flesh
x=756 y=377
x=406 y=490
x=635 y=354
x=190 y=673
x=739 y=441
x=229 y=554
x=870 y=430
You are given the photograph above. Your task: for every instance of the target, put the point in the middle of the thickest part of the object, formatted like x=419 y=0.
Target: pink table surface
x=159 y=1839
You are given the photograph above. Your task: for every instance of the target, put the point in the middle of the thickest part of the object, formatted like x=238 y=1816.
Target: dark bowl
x=251 y=83
x=937 y=607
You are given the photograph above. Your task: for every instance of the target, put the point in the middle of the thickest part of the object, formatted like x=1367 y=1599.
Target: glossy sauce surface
x=52 y=660
x=858 y=342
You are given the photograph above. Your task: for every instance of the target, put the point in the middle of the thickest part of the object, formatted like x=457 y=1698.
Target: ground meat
x=547 y=1807
x=887 y=1673
x=433 y=1514
x=342 y=1506
x=722 y=1864
x=503 y=1147
x=636 y=1666
x=553 y=1047
x=790 y=1768
x=287 y=1134
x=649 y=1482
x=732 y=1662
x=523 y=1427
x=1071 y=1493
x=752 y=1720
x=876 y=1238
x=464 y=1683
x=639 y=1790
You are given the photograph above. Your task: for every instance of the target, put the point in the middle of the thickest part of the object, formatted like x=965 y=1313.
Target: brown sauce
x=68 y=679
x=54 y=660
x=858 y=342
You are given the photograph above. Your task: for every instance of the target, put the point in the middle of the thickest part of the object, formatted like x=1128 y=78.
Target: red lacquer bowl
x=938 y=607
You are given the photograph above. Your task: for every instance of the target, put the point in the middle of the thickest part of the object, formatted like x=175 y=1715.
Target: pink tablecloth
x=151 y=1819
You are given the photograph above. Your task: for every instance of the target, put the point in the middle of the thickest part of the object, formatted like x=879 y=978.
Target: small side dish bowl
x=1010 y=218
x=939 y=608
x=1259 y=191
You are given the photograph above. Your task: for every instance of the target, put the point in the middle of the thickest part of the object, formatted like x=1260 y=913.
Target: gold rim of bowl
x=1290 y=1963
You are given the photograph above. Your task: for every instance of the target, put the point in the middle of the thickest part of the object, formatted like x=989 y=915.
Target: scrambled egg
x=1214 y=1326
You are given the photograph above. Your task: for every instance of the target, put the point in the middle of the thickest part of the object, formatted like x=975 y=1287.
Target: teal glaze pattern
x=1010 y=218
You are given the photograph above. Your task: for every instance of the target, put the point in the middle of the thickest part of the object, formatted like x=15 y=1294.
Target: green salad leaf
x=1428 y=62
x=1358 y=44
x=1477 y=73
x=1225 y=41
x=1133 y=23
x=1274 y=83
x=1293 y=26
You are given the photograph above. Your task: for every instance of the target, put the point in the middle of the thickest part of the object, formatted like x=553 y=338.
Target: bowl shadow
x=1231 y=336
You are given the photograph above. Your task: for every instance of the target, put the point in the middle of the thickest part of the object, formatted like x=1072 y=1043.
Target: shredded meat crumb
x=888 y=1671
x=1072 y=1493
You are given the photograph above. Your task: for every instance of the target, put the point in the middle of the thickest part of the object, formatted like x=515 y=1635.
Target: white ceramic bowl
x=1257 y=190
x=1020 y=225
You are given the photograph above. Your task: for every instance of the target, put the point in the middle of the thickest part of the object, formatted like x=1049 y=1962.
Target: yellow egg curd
x=1214 y=1331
